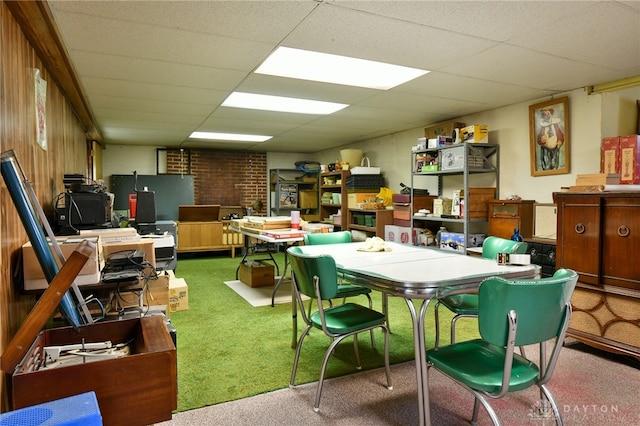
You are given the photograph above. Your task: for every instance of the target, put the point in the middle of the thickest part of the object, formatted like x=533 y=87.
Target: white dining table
x=420 y=273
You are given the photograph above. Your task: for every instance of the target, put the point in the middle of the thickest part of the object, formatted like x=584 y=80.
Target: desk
x=269 y=241
x=416 y=273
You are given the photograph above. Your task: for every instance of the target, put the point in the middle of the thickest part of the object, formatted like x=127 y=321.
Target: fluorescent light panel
x=229 y=137
x=328 y=68
x=281 y=104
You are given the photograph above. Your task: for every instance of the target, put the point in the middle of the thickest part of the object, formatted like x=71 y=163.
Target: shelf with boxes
x=468 y=205
x=371 y=222
x=293 y=189
x=333 y=197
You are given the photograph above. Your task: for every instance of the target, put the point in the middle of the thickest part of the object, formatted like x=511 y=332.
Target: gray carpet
x=591 y=387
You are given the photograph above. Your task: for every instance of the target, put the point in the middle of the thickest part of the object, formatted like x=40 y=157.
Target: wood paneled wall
x=67 y=153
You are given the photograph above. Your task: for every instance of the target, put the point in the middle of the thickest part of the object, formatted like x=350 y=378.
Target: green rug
x=229 y=350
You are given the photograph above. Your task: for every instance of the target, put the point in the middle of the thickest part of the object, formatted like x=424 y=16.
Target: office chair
x=511 y=313
x=316 y=277
x=466 y=305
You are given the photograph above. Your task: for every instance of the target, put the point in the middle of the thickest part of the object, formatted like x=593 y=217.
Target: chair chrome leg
x=316 y=406
x=373 y=339
x=476 y=409
x=480 y=399
x=357 y=352
x=437 y=320
x=292 y=382
x=554 y=406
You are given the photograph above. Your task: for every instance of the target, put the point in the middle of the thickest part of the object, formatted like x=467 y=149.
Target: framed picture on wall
x=549 y=137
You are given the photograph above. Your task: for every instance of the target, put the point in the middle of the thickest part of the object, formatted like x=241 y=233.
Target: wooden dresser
x=598 y=236
x=506 y=215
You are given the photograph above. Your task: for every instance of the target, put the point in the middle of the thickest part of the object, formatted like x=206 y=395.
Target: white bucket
x=351 y=156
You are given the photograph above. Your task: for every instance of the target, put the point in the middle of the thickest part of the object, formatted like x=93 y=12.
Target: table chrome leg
x=419 y=343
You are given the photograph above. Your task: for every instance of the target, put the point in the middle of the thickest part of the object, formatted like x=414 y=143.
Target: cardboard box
x=401 y=234
x=442 y=206
x=477 y=133
x=146 y=245
x=355 y=198
x=610 y=155
x=630 y=159
x=154 y=292
x=402 y=211
x=453 y=158
x=454 y=241
x=545 y=220
x=257 y=274
x=34 y=278
x=444 y=128
x=178 y=295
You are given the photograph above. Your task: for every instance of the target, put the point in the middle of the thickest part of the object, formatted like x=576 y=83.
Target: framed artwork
x=40 y=91
x=549 y=137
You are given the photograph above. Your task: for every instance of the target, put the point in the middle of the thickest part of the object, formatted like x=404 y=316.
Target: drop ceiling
x=155 y=71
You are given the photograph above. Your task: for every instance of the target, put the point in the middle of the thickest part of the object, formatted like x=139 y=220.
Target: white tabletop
x=421 y=272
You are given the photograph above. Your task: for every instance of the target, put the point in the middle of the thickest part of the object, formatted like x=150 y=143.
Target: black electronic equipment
x=145 y=207
x=85 y=210
x=125 y=260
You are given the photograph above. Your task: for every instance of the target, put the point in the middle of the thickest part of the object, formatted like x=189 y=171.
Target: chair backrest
x=306 y=267
x=491 y=246
x=542 y=305
x=327 y=238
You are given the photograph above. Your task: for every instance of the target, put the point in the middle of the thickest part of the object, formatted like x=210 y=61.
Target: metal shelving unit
x=466 y=160
x=293 y=189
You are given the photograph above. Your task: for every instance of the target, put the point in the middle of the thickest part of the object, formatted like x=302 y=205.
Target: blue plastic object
x=80 y=410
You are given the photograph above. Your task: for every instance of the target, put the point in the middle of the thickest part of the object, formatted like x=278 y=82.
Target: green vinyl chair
x=466 y=305
x=511 y=313
x=315 y=276
x=345 y=288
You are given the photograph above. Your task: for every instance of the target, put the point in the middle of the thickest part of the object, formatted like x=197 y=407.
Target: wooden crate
x=257 y=274
x=137 y=389
x=476 y=205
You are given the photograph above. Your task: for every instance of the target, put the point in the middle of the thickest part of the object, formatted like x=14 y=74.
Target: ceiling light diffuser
x=328 y=68
x=229 y=137
x=281 y=104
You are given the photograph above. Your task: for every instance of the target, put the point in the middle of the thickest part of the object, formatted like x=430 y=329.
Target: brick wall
x=229 y=178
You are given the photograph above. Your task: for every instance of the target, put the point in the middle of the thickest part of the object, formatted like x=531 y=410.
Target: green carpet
x=229 y=350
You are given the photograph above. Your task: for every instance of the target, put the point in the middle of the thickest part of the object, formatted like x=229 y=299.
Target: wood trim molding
x=37 y=23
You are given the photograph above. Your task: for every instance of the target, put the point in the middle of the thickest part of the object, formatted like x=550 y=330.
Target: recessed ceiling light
x=229 y=137
x=328 y=68
x=281 y=104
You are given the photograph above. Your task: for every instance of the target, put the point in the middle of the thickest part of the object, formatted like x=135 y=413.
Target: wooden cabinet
x=200 y=230
x=333 y=197
x=598 y=238
x=506 y=215
x=372 y=222
x=207 y=236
